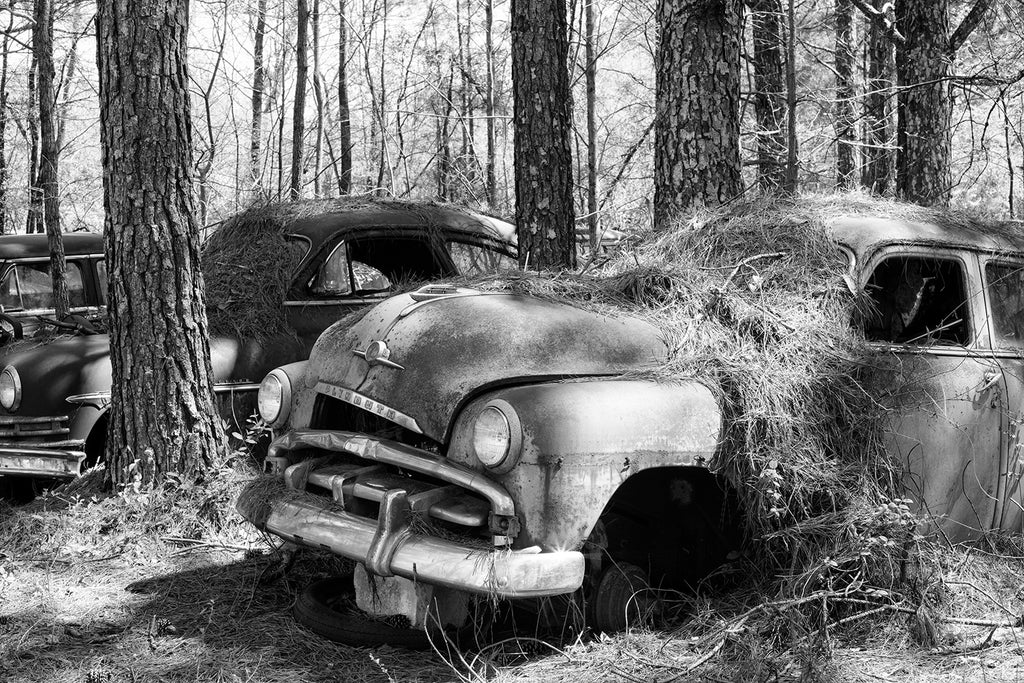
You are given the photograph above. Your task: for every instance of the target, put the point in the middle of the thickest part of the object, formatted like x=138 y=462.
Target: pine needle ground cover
x=835 y=582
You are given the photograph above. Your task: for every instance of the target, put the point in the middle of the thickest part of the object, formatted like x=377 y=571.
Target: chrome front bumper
x=34 y=447
x=387 y=546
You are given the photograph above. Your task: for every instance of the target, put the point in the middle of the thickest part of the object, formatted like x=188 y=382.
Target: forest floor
x=100 y=589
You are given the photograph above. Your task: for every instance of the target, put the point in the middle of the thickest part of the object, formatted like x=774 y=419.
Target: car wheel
x=328 y=608
x=620 y=598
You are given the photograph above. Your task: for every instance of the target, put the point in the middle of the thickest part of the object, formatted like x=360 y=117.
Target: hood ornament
x=377 y=353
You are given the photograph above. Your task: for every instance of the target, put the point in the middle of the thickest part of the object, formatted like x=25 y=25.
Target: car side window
x=101 y=278
x=1005 y=284
x=917 y=300
x=333 y=278
x=477 y=259
x=27 y=286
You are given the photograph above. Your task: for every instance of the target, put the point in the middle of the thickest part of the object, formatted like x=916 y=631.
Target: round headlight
x=497 y=436
x=274 y=398
x=10 y=388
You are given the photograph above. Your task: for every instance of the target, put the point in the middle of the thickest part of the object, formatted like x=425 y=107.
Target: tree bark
x=923 y=133
x=299 y=111
x=34 y=219
x=258 y=80
x=697 y=96
x=4 y=171
x=344 y=115
x=591 y=78
x=42 y=47
x=318 y=98
x=492 y=185
x=162 y=417
x=878 y=132
x=792 y=179
x=845 y=118
x=770 y=93
x=545 y=216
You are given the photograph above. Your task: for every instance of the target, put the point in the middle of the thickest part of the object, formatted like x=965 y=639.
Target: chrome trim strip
x=399 y=455
x=318 y=523
x=368 y=404
x=347 y=302
x=231 y=387
x=14 y=419
x=97 y=399
x=44 y=462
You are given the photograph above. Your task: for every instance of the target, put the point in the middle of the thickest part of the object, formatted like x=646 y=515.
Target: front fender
x=581 y=440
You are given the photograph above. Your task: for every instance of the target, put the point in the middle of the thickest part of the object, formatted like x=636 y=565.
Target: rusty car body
x=458 y=443
x=54 y=392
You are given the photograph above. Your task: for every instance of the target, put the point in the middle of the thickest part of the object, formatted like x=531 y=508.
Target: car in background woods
x=26 y=288
x=462 y=444
x=325 y=259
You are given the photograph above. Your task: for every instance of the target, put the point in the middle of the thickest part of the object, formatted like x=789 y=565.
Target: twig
x=747 y=261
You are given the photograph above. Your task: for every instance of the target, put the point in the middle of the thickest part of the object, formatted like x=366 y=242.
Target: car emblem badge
x=377 y=353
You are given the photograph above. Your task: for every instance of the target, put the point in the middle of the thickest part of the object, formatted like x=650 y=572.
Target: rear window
x=1005 y=283
x=476 y=259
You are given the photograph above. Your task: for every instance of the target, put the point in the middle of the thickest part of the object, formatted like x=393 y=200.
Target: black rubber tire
x=620 y=598
x=328 y=608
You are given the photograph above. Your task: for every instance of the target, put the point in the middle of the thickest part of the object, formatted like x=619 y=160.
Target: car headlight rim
x=273 y=400
x=10 y=388
x=497 y=419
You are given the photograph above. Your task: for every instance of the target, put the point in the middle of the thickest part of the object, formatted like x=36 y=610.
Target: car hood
x=451 y=348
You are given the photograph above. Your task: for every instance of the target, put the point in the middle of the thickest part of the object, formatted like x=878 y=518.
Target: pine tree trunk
x=42 y=46
x=162 y=417
x=344 y=115
x=770 y=93
x=591 y=77
x=878 y=130
x=545 y=216
x=492 y=185
x=34 y=218
x=697 y=98
x=845 y=117
x=5 y=44
x=923 y=134
x=258 y=80
x=318 y=97
x=299 y=110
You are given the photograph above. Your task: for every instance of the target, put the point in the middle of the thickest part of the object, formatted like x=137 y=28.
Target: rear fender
x=581 y=440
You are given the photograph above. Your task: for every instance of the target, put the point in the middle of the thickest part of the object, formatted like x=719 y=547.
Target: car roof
x=38 y=245
x=863 y=233
x=338 y=215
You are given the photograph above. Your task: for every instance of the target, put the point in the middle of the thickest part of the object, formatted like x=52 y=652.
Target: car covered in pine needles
x=276 y=276
x=467 y=443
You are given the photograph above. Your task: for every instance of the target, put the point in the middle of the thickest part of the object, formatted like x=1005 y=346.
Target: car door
x=358 y=269
x=1004 y=290
x=926 y=319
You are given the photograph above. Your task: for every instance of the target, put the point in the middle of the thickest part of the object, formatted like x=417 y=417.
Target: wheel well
x=95 y=443
x=676 y=523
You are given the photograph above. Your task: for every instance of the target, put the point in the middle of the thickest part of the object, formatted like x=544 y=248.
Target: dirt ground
x=110 y=591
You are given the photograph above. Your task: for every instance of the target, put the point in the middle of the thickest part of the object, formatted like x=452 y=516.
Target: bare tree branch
x=970 y=22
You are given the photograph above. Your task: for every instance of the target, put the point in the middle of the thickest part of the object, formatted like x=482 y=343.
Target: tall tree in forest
x=769 y=92
x=34 y=217
x=845 y=118
x=5 y=44
x=492 y=185
x=162 y=417
x=925 y=50
x=299 y=110
x=697 y=100
x=591 y=78
x=259 y=77
x=545 y=216
x=42 y=48
x=877 y=173
x=344 y=115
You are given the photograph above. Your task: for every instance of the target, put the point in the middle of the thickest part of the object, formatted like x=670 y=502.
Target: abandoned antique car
x=26 y=290
x=54 y=392
x=458 y=443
